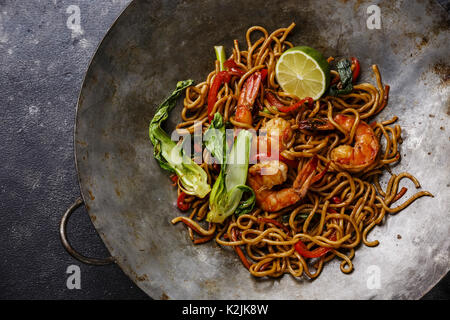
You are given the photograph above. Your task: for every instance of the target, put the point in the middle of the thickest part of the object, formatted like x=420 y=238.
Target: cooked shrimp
x=280 y=131
x=264 y=176
x=274 y=136
x=353 y=159
x=247 y=98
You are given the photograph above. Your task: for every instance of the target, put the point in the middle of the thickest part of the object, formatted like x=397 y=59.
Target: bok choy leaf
x=220 y=55
x=227 y=192
x=170 y=155
x=214 y=138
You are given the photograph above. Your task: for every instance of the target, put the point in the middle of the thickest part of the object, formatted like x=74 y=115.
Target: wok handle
x=68 y=247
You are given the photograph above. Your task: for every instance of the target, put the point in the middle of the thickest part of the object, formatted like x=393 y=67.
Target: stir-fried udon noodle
x=325 y=195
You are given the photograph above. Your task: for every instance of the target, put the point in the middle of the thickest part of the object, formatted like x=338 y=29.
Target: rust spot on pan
x=442 y=69
x=356 y=5
x=143 y=277
x=82 y=143
x=91 y=195
x=164 y=296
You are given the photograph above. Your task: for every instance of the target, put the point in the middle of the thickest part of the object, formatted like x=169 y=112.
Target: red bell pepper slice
x=229 y=64
x=356 y=68
x=221 y=78
x=181 y=204
x=302 y=250
x=296 y=105
x=273 y=101
x=263 y=74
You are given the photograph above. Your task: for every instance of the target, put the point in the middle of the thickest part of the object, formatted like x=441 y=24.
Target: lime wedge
x=303 y=72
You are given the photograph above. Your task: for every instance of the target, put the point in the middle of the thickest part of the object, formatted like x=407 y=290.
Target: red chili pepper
x=183 y=206
x=273 y=101
x=356 y=69
x=296 y=105
x=221 y=78
x=302 y=250
x=212 y=94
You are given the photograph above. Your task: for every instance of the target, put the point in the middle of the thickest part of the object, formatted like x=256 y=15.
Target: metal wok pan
x=131 y=202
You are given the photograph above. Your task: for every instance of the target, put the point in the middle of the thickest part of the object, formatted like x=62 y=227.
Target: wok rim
x=117 y=262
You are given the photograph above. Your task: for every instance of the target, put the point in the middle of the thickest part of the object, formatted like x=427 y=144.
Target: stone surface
x=44 y=56
x=42 y=67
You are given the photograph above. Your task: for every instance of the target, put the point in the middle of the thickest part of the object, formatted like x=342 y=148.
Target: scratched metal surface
x=130 y=199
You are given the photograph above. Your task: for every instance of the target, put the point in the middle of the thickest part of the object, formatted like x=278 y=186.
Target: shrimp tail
x=247 y=98
x=306 y=177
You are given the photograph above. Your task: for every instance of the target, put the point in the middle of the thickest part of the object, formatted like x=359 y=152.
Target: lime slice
x=303 y=72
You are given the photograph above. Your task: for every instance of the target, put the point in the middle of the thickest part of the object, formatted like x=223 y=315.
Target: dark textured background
x=41 y=72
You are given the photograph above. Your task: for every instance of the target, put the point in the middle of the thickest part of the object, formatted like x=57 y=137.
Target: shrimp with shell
x=263 y=176
x=356 y=158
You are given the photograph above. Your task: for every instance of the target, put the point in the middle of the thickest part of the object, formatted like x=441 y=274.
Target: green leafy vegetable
x=214 y=138
x=227 y=192
x=346 y=75
x=170 y=155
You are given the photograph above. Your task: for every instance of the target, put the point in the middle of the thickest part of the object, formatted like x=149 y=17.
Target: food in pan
x=287 y=171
